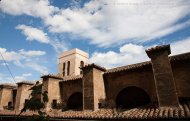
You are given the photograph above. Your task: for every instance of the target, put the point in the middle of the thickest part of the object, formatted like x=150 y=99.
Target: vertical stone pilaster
x=163 y=75
x=23 y=94
x=93 y=86
x=51 y=85
x=6 y=95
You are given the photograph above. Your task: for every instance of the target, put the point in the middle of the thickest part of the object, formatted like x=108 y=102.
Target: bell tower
x=71 y=61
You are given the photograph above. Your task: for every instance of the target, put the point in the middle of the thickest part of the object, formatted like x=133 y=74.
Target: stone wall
x=51 y=85
x=181 y=70
x=23 y=94
x=93 y=87
x=6 y=96
x=70 y=87
x=142 y=78
x=163 y=76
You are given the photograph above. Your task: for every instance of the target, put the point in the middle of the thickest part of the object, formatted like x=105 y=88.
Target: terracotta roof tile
x=26 y=82
x=8 y=85
x=94 y=65
x=173 y=58
x=146 y=112
x=70 y=78
x=128 y=67
x=52 y=76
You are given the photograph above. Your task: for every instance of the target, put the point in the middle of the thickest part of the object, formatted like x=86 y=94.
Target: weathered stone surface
x=93 y=87
x=163 y=75
x=74 y=56
x=23 y=94
x=51 y=85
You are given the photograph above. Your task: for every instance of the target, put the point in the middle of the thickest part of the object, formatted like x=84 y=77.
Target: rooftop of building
x=172 y=59
x=26 y=82
x=74 y=51
x=144 y=112
x=8 y=85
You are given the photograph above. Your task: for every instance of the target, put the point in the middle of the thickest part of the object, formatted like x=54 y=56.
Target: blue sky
x=115 y=32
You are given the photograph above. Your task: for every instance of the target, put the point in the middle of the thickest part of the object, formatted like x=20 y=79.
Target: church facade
x=162 y=83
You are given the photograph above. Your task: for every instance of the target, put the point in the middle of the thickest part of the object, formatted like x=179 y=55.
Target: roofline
x=51 y=76
x=172 y=58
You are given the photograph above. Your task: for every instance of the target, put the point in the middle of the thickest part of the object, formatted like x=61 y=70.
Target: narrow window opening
x=54 y=104
x=63 y=69
x=81 y=65
x=10 y=105
x=68 y=68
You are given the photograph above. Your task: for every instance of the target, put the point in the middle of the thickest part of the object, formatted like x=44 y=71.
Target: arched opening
x=75 y=101
x=132 y=97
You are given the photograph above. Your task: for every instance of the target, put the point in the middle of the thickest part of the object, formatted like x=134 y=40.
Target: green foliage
x=36 y=104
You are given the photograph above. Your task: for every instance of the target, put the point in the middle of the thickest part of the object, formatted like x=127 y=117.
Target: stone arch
x=75 y=101
x=132 y=97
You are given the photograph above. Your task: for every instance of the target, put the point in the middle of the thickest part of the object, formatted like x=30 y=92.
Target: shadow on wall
x=132 y=97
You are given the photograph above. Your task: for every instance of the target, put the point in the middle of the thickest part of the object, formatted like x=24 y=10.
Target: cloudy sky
x=115 y=32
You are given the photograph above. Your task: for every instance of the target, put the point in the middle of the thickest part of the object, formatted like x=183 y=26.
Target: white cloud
x=24 y=59
x=180 y=46
x=20 y=55
x=131 y=54
x=7 y=79
x=106 y=23
x=31 y=53
x=111 y=22
x=37 y=67
x=10 y=55
x=125 y=56
x=131 y=48
x=36 y=8
x=33 y=34
x=23 y=77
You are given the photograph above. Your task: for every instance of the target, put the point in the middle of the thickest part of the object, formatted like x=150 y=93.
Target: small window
x=63 y=69
x=81 y=65
x=26 y=100
x=54 y=104
x=10 y=105
x=68 y=67
x=99 y=105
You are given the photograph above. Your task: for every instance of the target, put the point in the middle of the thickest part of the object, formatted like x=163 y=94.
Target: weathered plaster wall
x=88 y=89
x=51 y=85
x=142 y=78
x=99 y=89
x=23 y=93
x=93 y=88
x=70 y=87
x=181 y=72
x=6 y=95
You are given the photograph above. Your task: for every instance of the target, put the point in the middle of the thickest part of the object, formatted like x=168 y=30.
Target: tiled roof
x=8 y=85
x=52 y=76
x=94 y=65
x=26 y=82
x=173 y=58
x=128 y=67
x=146 y=112
x=180 y=57
x=70 y=78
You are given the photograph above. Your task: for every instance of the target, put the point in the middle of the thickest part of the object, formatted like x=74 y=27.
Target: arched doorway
x=75 y=101
x=132 y=97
